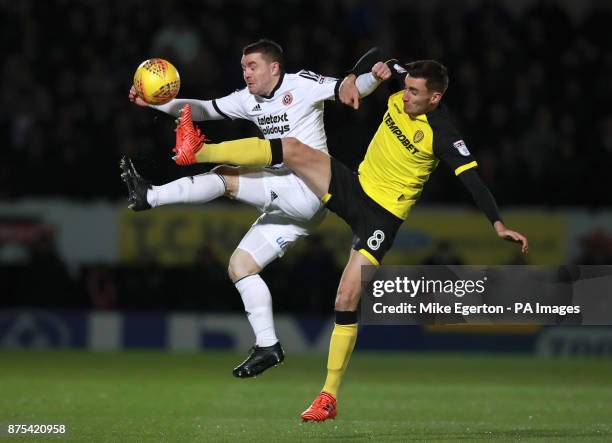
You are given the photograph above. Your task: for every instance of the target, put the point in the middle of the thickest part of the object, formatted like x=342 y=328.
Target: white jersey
x=293 y=109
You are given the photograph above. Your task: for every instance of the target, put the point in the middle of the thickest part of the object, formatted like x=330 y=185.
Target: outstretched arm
x=449 y=146
x=485 y=201
x=201 y=109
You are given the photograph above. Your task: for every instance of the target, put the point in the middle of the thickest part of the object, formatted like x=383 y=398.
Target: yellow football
x=157 y=81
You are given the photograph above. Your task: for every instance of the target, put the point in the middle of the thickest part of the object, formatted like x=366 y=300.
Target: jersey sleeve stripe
x=214 y=103
x=309 y=75
x=370 y=257
x=465 y=167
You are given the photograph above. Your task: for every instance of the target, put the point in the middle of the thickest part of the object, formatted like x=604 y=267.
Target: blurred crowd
x=530 y=91
x=305 y=284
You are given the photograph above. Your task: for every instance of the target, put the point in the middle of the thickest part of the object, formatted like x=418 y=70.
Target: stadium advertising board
x=111 y=331
x=172 y=235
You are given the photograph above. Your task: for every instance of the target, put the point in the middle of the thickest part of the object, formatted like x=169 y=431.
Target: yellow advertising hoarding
x=173 y=235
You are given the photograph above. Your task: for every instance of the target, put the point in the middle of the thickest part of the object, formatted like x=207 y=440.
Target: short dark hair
x=435 y=74
x=269 y=49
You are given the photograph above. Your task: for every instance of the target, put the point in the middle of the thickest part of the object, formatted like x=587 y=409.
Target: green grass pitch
x=159 y=397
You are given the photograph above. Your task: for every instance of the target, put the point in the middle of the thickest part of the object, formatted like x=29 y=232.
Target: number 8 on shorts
x=376 y=239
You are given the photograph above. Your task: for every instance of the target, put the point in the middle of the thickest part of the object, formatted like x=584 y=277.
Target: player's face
x=417 y=98
x=259 y=75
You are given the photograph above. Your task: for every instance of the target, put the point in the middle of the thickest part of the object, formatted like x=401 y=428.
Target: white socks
x=198 y=189
x=253 y=290
x=258 y=306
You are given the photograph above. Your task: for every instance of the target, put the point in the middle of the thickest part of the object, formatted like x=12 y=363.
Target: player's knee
x=230 y=176
x=293 y=150
x=226 y=170
x=347 y=297
x=241 y=265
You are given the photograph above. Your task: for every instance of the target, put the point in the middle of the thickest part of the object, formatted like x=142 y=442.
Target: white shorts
x=290 y=211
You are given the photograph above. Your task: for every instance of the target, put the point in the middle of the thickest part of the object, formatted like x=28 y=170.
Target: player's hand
x=513 y=236
x=348 y=93
x=381 y=71
x=135 y=99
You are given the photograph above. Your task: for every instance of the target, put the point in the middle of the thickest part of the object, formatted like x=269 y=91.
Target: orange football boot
x=322 y=408
x=189 y=139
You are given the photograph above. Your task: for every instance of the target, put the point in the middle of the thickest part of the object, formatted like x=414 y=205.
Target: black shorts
x=374 y=227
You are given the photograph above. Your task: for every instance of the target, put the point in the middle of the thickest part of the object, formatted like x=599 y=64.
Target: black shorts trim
x=374 y=228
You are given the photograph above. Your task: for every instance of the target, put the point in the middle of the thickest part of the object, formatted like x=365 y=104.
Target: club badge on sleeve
x=462 y=148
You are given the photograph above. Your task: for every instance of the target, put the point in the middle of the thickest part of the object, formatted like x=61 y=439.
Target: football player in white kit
x=281 y=105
